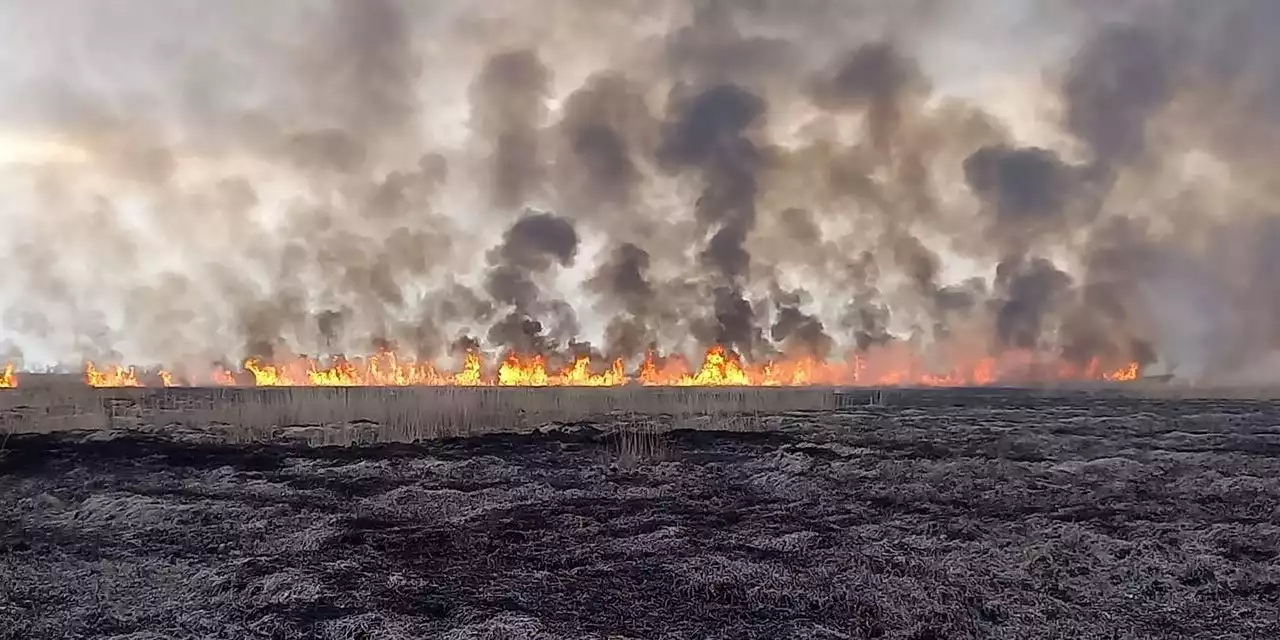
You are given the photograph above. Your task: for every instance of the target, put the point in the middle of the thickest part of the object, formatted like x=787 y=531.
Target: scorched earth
x=936 y=514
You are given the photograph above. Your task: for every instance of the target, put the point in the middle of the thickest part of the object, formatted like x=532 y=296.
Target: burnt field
x=912 y=514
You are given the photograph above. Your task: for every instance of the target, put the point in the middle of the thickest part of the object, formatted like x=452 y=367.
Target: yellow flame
x=719 y=367
x=111 y=376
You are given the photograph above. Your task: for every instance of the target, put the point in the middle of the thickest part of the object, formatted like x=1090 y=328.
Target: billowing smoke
x=709 y=132
x=874 y=78
x=1115 y=84
x=605 y=131
x=508 y=102
x=530 y=248
x=213 y=181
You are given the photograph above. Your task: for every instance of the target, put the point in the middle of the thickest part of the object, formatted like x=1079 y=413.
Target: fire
x=720 y=367
x=1124 y=374
x=267 y=375
x=514 y=373
x=652 y=375
x=470 y=375
x=8 y=379
x=112 y=376
x=224 y=378
x=532 y=372
x=579 y=374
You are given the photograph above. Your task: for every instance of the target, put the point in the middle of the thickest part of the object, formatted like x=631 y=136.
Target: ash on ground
x=1009 y=516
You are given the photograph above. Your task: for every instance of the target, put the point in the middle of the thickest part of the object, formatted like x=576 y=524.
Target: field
x=756 y=513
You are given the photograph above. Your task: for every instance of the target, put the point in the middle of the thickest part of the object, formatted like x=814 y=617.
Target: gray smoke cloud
x=508 y=108
x=191 y=183
x=531 y=246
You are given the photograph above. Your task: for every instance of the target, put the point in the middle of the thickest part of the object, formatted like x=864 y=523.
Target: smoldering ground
x=190 y=183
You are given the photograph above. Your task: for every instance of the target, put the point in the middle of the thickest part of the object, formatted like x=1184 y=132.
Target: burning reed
x=720 y=368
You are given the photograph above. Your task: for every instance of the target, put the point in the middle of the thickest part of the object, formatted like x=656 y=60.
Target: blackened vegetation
x=969 y=514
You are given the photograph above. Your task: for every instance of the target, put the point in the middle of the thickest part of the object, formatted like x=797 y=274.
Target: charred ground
x=933 y=515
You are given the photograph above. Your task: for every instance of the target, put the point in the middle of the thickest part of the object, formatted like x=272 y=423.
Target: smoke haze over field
x=194 y=182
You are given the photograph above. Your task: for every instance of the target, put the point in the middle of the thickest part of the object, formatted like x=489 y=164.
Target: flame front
x=532 y=372
x=1124 y=374
x=720 y=367
x=111 y=376
x=8 y=378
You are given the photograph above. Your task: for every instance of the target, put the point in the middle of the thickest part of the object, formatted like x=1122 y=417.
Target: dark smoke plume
x=798 y=333
x=507 y=102
x=1028 y=293
x=623 y=279
x=1028 y=189
x=223 y=180
x=606 y=127
x=876 y=79
x=708 y=132
x=1115 y=84
x=535 y=243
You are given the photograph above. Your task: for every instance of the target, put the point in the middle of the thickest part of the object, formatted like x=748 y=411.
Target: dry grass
x=394 y=414
x=636 y=443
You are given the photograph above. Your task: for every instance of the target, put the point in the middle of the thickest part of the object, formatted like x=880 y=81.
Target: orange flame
x=8 y=378
x=266 y=375
x=515 y=373
x=532 y=372
x=469 y=376
x=112 y=376
x=719 y=367
x=1126 y=373
x=224 y=378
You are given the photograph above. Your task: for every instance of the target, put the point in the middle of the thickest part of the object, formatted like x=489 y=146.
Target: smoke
x=1115 y=84
x=708 y=132
x=191 y=183
x=606 y=129
x=508 y=107
x=876 y=79
x=1027 y=292
x=534 y=244
x=1027 y=188
x=799 y=333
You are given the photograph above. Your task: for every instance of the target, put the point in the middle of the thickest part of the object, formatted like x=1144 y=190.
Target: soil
x=996 y=515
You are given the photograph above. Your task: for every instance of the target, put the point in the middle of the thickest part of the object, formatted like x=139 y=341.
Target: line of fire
x=719 y=367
